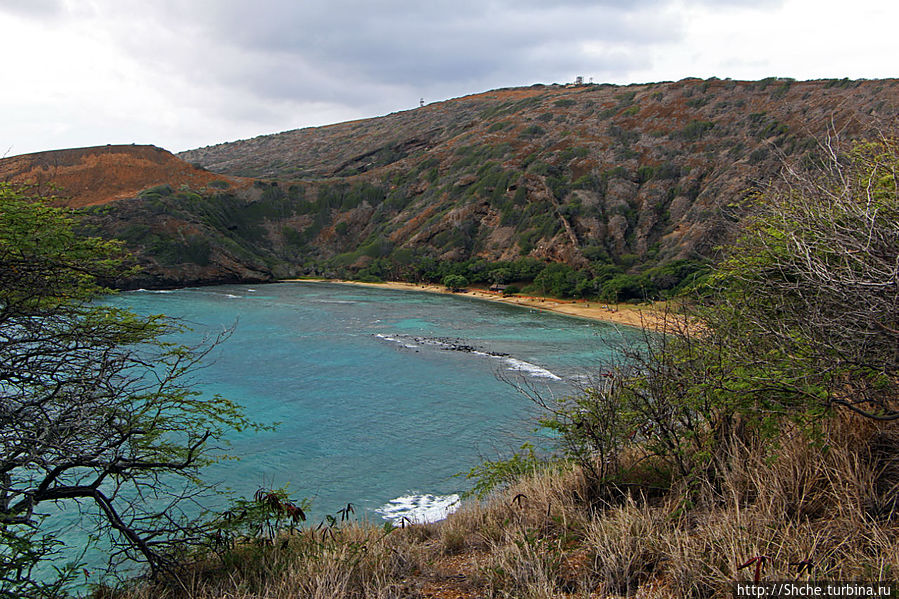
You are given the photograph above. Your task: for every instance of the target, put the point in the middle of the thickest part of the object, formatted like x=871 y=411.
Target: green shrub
x=490 y=476
x=195 y=249
x=589 y=181
x=695 y=130
x=560 y=280
x=455 y=282
x=532 y=131
x=624 y=287
x=157 y=191
x=500 y=275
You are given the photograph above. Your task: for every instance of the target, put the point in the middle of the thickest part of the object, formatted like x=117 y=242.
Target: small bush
x=696 y=130
x=157 y=191
x=533 y=131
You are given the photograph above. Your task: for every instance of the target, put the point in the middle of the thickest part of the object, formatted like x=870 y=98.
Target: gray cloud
x=32 y=8
x=286 y=50
x=287 y=63
x=365 y=58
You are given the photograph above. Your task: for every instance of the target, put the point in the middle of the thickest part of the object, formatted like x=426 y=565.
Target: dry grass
x=348 y=561
x=103 y=174
x=832 y=503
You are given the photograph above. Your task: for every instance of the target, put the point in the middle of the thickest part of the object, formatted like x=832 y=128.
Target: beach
x=643 y=316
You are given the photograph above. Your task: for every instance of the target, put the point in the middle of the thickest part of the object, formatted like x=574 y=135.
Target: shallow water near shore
x=382 y=396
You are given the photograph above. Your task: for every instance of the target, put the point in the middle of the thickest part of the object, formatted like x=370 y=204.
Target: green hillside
x=631 y=188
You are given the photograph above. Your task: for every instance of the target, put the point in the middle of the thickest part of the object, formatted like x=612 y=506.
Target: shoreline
x=621 y=314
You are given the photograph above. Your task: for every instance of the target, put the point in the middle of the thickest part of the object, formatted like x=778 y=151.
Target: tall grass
x=831 y=504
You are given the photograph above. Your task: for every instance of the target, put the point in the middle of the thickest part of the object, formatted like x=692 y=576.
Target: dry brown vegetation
x=98 y=175
x=830 y=504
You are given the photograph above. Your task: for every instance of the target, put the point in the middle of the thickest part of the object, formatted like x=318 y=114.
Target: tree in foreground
x=815 y=280
x=96 y=408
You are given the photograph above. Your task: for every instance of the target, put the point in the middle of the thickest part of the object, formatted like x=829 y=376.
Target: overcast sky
x=187 y=73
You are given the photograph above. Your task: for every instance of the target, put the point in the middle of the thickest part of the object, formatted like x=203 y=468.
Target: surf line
x=446 y=344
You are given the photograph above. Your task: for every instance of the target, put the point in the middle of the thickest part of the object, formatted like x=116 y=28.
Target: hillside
x=552 y=171
x=631 y=187
x=588 y=114
x=91 y=176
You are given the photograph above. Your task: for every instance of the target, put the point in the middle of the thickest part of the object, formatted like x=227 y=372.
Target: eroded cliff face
x=632 y=176
x=635 y=174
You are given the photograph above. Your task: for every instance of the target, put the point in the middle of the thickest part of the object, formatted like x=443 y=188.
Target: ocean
x=381 y=397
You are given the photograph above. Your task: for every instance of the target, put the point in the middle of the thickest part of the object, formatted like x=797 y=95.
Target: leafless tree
x=817 y=271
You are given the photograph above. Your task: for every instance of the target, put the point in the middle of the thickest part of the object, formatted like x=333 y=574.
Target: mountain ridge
x=684 y=98
x=611 y=181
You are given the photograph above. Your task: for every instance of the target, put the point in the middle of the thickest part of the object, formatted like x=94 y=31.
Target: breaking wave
x=513 y=364
x=419 y=509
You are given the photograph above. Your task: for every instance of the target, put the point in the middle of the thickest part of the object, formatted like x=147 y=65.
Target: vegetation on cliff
x=608 y=180
x=631 y=187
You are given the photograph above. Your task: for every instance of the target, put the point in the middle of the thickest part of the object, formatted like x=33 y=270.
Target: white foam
x=153 y=291
x=513 y=364
x=419 y=509
x=517 y=365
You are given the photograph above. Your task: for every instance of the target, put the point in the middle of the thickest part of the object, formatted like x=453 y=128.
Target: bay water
x=382 y=397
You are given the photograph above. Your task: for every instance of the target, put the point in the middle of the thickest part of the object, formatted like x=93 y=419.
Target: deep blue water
x=372 y=405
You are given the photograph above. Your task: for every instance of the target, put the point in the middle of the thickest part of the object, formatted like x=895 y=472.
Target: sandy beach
x=624 y=314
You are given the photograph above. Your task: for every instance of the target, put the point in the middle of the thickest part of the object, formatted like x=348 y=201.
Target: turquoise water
x=374 y=404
